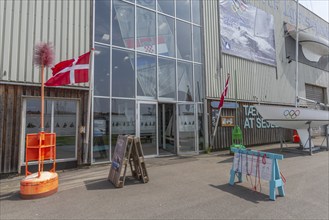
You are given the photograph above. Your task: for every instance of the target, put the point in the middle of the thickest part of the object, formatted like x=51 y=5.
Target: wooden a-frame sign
x=128 y=148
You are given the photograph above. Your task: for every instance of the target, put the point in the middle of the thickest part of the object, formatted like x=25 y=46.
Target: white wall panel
x=2 y=14
x=14 y=32
x=6 y=39
x=20 y=76
x=66 y=24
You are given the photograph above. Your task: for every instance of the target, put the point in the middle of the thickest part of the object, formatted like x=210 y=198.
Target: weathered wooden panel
x=255 y=132
x=11 y=97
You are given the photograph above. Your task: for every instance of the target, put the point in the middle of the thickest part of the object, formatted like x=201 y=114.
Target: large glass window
x=196 y=12
x=123 y=24
x=166 y=36
x=61 y=118
x=102 y=21
x=184 y=40
x=146 y=38
x=183 y=9
x=101 y=133
x=166 y=6
x=147 y=3
x=199 y=82
x=102 y=71
x=65 y=127
x=167 y=78
x=148 y=128
x=123 y=73
x=147 y=50
x=187 y=127
x=185 y=81
x=123 y=119
x=33 y=111
x=146 y=75
x=197 y=52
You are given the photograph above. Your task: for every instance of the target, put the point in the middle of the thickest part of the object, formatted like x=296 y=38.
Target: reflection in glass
x=167 y=129
x=197 y=44
x=183 y=10
x=187 y=126
x=185 y=81
x=146 y=3
x=166 y=38
x=200 y=128
x=148 y=128
x=123 y=17
x=64 y=123
x=198 y=77
x=102 y=71
x=123 y=74
x=123 y=119
x=33 y=112
x=102 y=21
x=196 y=12
x=184 y=40
x=146 y=75
x=167 y=78
x=101 y=131
x=146 y=38
x=65 y=127
x=166 y=6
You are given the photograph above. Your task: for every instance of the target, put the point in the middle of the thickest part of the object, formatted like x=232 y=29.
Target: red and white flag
x=224 y=93
x=70 y=71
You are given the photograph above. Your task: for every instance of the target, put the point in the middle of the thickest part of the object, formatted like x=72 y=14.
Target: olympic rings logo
x=291 y=114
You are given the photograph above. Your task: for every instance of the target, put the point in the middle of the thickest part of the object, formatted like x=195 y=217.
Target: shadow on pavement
x=99 y=184
x=228 y=160
x=13 y=196
x=243 y=192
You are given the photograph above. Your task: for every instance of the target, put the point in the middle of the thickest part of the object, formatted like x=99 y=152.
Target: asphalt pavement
x=194 y=187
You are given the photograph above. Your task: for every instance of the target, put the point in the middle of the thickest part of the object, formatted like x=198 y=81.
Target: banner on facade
x=247 y=32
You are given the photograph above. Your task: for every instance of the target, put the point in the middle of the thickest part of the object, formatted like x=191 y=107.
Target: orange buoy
x=33 y=187
x=295 y=136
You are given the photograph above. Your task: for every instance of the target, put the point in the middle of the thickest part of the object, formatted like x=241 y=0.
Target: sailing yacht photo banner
x=247 y=32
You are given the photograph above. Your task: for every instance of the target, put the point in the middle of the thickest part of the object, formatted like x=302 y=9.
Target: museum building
x=158 y=71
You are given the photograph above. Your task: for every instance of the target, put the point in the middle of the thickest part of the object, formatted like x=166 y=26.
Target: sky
x=319 y=7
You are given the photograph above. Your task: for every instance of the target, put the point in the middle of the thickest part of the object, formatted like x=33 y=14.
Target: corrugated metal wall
x=23 y=23
x=256 y=80
x=211 y=44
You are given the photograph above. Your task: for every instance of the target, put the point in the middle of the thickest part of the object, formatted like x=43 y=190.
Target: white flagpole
x=91 y=85
x=220 y=110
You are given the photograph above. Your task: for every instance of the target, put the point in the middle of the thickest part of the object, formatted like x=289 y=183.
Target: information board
x=249 y=164
x=119 y=159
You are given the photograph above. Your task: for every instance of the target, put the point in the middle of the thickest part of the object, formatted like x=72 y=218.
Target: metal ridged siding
x=211 y=45
x=66 y=24
x=255 y=80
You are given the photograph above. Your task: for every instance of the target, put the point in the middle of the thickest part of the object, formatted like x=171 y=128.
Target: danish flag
x=224 y=93
x=70 y=71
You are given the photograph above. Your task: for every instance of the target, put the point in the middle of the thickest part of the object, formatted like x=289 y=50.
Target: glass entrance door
x=187 y=129
x=167 y=129
x=147 y=127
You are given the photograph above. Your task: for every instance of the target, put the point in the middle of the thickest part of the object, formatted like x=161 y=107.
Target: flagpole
x=220 y=105
x=215 y=130
x=42 y=129
x=91 y=84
